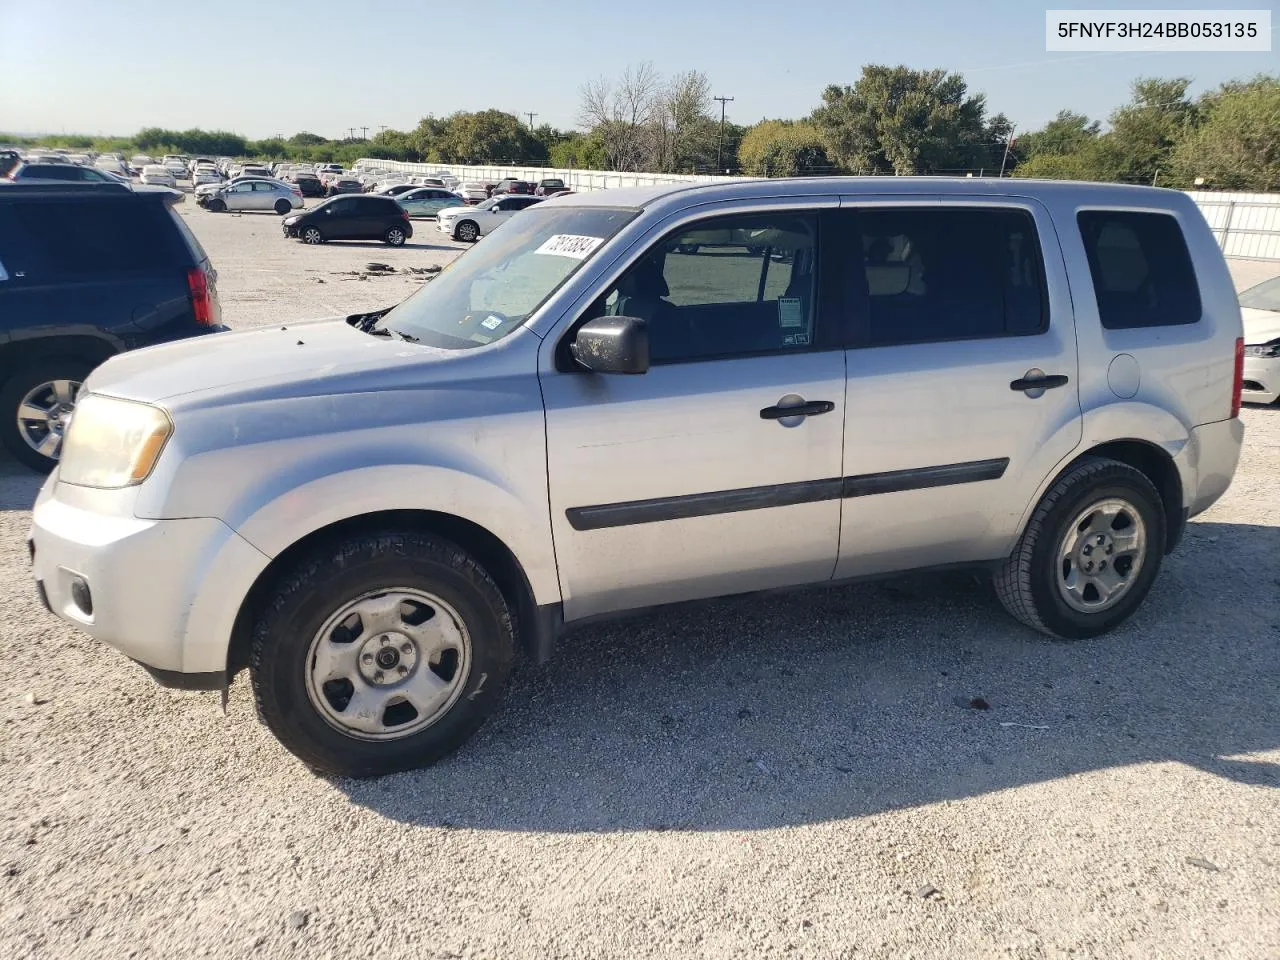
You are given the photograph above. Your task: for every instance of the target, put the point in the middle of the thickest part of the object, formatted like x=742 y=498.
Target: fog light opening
x=81 y=596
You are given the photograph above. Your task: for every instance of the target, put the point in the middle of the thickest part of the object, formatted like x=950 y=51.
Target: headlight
x=1269 y=349
x=112 y=443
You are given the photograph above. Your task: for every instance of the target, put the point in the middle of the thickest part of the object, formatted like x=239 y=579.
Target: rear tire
x=1089 y=554
x=366 y=722
x=217 y=206
x=283 y=207
x=312 y=235
x=34 y=406
x=394 y=237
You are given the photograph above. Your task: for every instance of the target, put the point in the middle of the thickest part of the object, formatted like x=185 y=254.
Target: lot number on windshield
x=570 y=245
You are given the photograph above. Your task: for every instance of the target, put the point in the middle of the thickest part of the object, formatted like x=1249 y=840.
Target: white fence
x=1246 y=224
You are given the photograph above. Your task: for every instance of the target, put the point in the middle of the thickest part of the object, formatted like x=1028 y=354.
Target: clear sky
x=261 y=68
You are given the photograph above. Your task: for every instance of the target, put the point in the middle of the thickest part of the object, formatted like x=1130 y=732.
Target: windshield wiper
x=388 y=332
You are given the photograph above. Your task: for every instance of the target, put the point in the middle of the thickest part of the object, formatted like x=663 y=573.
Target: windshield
x=1265 y=296
x=493 y=288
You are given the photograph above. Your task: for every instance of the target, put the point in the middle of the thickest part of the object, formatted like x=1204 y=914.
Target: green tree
x=489 y=135
x=781 y=148
x=899 y=120
x=305 y=138
x=1145 y=131
x=1237 y=146
x=394 y=145
x=579 y=151
x=1066 y=133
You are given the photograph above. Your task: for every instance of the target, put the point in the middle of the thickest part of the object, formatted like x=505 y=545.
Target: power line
x=720 y=148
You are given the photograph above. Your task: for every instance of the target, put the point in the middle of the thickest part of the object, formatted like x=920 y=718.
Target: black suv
x=87 y=271
x=352 y=218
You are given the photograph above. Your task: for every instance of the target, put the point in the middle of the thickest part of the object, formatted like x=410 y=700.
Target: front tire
x=35 y=408
x=394 y=237
x=312 y=235
x=1089 y=554
x=217 y=206
x=466 y=231
x=380 y=653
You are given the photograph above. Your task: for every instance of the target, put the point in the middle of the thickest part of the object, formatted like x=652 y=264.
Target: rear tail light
x=404 y=214
x=203 y=302
x=1238 y=383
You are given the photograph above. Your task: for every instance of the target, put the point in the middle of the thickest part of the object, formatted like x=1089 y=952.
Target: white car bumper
x=1261 y=380
x=163 y=592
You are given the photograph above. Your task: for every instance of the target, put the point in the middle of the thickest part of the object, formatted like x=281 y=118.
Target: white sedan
x=157 y=175
x=204 y=176
x=472 y=192
x=1260 y=307
x=471 y=223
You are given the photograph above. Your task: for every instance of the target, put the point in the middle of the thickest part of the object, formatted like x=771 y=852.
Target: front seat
x=640 y=294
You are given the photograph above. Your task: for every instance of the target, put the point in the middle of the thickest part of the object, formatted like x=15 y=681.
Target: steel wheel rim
x=311 y=235
x=44 y=414
x=1101 y=555
x=388 y=664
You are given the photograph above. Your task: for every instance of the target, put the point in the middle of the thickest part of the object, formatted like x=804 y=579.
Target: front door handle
x=1035 y=382
x=810 y=408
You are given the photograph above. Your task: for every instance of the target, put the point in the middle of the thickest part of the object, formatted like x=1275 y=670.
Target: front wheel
x=217 y=206
x=381 y=652
x=1089 y=554
x=466 y=231
x=283 y=207
x=35 y=409
x=394 y=236
x=312 y=235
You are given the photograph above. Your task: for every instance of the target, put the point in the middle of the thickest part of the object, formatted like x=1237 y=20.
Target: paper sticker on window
x=480 y=338
x=796 y=340
x=491 y=322
x=570 y=245
x=790 y=312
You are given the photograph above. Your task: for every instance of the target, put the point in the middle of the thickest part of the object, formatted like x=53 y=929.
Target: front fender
x=525 y=528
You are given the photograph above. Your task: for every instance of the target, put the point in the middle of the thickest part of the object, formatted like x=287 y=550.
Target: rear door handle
x=810 y=408
x=1036 y=380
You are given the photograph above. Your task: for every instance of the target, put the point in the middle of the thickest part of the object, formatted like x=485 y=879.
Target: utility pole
x=381 y=127
x=530 y=116
x=1007 y=144
x=720 y=149
x=364 y=133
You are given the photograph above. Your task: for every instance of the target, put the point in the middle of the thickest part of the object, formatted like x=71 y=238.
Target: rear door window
x=90 y=238
x=950 y=274
x=1141 y=269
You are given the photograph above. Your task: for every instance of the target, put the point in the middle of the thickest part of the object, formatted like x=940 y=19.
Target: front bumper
x=1261 y=380
x=163 y=592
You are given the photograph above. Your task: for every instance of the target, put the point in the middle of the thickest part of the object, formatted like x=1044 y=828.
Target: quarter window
x=1142 y=272
x=724 y=288
x=959 y=274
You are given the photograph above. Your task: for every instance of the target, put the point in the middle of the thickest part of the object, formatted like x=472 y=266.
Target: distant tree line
x=892 y=120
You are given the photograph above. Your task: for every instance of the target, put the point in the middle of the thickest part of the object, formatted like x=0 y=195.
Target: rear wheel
x=466 y=231
x=283 y=206
x=35 y=409
x=217 y=206
x=312 y=235
x=381 y=652
x=394 y=236
x=1089 y=554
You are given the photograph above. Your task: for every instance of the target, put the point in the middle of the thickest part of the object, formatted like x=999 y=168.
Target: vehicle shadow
x=850 y=701
x=18 y=484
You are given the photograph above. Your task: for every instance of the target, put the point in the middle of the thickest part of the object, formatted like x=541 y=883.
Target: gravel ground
x=805 y=773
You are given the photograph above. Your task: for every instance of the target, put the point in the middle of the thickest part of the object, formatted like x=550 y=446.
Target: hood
x=1260 y=326
x=312 y=358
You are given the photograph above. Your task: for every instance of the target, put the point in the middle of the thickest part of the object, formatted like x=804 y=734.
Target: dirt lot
x=801 y=774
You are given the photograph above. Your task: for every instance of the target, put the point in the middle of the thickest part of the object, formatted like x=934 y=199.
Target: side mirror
x=612 y=345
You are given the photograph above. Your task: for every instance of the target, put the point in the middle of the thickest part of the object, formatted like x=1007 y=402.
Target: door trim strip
x=684 y=507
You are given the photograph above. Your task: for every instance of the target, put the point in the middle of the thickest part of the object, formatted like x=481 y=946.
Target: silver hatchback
x=630 y=398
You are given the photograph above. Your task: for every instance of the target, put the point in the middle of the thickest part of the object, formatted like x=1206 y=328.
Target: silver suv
x=635 y=397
